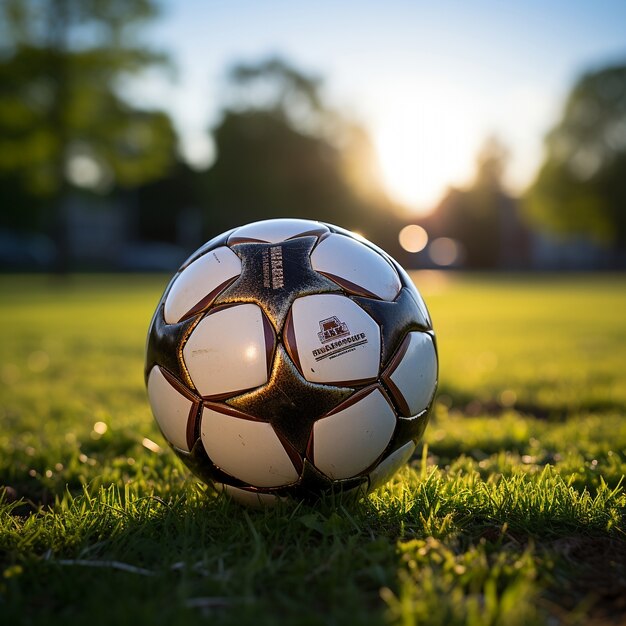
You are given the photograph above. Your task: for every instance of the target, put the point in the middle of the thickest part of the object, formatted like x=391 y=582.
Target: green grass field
x=513 y=513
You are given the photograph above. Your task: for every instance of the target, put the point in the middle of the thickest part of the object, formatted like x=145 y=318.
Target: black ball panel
x=164 y=345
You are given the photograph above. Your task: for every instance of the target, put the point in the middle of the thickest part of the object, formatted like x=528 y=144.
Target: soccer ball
x=288 y=358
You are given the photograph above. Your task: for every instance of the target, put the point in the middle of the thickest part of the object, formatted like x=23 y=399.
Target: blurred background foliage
x=88 y=180
x=282 y=151
x=581 y=186
x=62 y=121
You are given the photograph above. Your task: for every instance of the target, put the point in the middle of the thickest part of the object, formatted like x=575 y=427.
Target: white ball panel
x=336 y=340
x=246 y=449
x=385 y=471
x=349 y=441
x=275 y=231
x=349 y=260
x=169 y=407
x=226 y=351
x=415 y=377
x=249 y=498
x=202 y=277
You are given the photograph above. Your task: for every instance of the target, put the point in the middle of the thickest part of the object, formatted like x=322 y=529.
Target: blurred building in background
x=481 y=226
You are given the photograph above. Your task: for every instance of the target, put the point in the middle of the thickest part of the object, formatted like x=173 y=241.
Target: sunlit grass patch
x=513 y=513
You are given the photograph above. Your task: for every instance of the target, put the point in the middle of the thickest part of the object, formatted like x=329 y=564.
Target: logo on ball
x=331 y=328
x=273 y=275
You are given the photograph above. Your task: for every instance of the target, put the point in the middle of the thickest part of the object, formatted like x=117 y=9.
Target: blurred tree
x=62 y=120
x=281 y=151
x=581 y=186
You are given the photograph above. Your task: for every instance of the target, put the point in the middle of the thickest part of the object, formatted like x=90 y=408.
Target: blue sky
x=429 y=80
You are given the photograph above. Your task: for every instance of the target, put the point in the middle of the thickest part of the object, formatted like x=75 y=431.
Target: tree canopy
x=62 y=119
x=581 y=186
x=282 y=151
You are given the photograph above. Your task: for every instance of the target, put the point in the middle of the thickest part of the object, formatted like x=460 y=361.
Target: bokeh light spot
x=508 y=398
x=100 y=428
x=413 y=238
x=444 y=251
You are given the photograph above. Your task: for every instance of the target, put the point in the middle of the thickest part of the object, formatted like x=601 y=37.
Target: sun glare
x=424 y=144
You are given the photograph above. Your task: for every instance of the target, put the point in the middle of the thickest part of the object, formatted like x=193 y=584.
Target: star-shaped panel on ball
x=395 y=319
x=296 y=403
x=165 y=343
x=273 y=275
